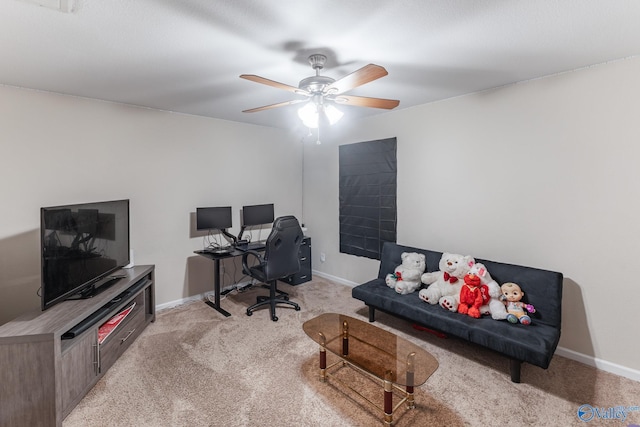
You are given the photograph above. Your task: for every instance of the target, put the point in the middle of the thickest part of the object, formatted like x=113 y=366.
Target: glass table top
x=372 y=349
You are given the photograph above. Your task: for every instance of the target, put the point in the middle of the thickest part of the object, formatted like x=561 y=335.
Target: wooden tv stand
x=50 y=359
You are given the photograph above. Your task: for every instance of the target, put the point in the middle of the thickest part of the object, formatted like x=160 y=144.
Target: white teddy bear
x=496 y=307
x=444 y=285
x=406 y=277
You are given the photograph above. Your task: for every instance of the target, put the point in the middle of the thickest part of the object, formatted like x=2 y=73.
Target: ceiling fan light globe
x=311 y=124
x=309 y=115
x=333 y=114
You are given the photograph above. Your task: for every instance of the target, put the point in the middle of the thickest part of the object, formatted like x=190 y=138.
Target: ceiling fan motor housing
x=315 y=84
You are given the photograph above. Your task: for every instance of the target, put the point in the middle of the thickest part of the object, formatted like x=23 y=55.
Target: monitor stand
x=93 y=290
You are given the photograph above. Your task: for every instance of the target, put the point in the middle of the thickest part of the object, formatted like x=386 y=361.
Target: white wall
x=542 y=173
x=58 y=150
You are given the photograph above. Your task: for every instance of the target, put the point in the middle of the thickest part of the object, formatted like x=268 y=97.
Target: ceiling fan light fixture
x=332 y=113
x=308 y=113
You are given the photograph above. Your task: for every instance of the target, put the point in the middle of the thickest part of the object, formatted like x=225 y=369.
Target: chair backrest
x=282 y=246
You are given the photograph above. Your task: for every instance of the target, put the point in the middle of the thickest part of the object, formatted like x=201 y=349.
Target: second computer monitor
x=257 y=214
x=218 y=218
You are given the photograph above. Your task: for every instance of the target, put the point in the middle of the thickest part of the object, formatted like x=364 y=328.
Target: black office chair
x=280 y=260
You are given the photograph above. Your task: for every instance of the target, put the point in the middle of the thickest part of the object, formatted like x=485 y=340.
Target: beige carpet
x=194 y=367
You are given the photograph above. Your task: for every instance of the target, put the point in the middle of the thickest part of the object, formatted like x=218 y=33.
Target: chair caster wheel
x=249 y=313
x=274 y=318
x=297 y=308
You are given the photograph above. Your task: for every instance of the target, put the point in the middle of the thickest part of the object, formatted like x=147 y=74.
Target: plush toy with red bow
x=473 y=295
x=444 y=285
x=405 y=279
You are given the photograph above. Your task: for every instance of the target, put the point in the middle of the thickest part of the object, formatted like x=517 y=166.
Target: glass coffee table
x=396 y=362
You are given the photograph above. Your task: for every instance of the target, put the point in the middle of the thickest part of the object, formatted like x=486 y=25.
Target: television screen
x=218 y=218
x=81 y=244
x=257 y=214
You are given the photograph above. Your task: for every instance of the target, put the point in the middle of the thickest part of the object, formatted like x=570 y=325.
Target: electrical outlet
x=323 y=256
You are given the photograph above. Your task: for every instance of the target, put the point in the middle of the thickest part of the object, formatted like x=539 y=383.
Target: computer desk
x=216 y=275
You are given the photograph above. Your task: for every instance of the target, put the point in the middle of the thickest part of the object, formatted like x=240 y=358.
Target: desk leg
x=216 y=280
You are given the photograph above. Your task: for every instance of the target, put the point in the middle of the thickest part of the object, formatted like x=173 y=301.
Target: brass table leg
x=388 y=398
x=345 y=339
x=323 y=357
x=410 y=373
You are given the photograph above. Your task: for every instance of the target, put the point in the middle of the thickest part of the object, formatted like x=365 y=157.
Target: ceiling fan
x=322 y=92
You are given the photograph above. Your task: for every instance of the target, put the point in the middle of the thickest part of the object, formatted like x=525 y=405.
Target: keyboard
x=218 y=251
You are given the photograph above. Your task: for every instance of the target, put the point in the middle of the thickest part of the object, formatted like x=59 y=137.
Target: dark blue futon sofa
x=534 y=344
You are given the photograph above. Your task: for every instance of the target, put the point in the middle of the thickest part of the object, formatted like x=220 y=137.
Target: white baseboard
x=601 y=364
x=199 y=297
x=335 y=279
x=178 y=302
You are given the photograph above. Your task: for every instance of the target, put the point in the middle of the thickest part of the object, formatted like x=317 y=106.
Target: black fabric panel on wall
x=367 y=181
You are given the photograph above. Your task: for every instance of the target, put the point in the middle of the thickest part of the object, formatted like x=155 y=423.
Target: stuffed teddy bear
x=473 y=295
x=495 y=307
x=406 y=277
x=444 y=285
x=511 y=295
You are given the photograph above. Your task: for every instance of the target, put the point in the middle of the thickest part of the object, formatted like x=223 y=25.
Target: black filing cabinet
x=304 y=275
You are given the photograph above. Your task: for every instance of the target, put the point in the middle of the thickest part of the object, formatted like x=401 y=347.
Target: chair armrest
x=245 y=258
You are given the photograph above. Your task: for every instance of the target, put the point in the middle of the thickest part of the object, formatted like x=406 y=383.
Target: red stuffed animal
x=473 y=295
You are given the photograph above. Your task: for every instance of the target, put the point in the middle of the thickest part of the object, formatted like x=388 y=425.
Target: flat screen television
x=217 y=218
x=257 y=214
x=82 y=244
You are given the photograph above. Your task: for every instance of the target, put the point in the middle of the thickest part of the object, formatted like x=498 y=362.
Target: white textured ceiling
x=186 y=55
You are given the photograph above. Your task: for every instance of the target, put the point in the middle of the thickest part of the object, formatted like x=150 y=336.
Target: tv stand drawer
x=121 y=338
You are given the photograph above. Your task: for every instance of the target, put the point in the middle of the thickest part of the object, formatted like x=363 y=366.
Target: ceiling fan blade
x=364 y=75
x=279 y=104
x=361 y=101
x=272 y=83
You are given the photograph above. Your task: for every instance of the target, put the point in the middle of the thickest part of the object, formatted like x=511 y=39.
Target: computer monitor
x=257 y=214
x=217 y=218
